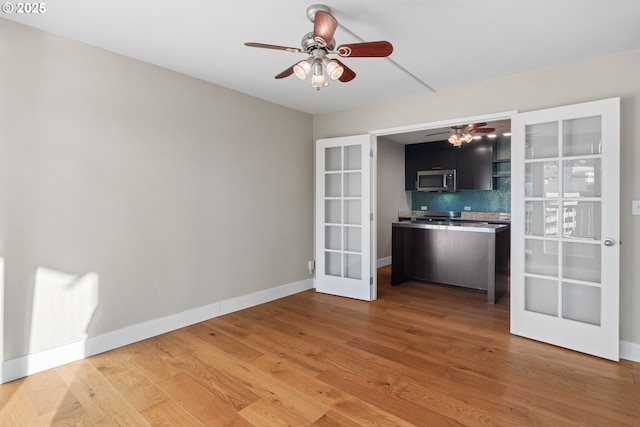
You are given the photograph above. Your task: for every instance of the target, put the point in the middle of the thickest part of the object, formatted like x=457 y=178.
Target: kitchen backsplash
x=497 y=200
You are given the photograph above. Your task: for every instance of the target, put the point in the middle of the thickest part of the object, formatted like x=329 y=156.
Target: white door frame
x=506 y=115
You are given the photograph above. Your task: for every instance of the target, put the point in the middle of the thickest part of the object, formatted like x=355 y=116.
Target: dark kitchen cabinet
x=473 y=162
x=427 y=156
x=411 y=164
x=475 y=165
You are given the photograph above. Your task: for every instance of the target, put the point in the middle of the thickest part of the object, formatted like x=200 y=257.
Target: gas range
x=430 y=216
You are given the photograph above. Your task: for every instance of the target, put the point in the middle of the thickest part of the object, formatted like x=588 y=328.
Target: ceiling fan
x=319 y=43
x=464 y=133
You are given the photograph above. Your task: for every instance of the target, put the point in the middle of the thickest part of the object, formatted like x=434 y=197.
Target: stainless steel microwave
x=437 y=180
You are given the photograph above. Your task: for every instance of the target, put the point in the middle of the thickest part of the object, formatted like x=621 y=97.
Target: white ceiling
x=444 y=43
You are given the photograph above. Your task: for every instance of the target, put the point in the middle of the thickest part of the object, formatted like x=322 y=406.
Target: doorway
x=390 y=186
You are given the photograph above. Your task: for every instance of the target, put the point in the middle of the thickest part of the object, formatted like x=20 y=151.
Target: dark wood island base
x=470 y=255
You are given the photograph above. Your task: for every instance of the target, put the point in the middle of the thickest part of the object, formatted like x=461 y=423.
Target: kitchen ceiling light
x=459 y=137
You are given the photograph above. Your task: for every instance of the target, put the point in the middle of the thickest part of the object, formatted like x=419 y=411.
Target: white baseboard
x=33 y=363
x=382 y=262
x=630 y=351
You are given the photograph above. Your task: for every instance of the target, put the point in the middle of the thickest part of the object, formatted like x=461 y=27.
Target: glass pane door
x=343 y=217
x=565 y=216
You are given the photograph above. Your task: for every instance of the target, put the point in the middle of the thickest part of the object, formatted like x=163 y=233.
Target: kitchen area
x=452 y=225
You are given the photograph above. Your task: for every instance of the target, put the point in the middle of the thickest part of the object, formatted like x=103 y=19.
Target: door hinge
x=371 y=152
x=371 y=216
x=371 y=280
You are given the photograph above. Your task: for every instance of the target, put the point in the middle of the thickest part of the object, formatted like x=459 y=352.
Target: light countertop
x=482 y=227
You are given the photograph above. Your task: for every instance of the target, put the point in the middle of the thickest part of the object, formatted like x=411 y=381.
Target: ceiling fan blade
x=484 y=130
x=285 y=73
x=366 y=49
x=324 y=26
x=473 y=126
x=348 y=74
x=273 y=46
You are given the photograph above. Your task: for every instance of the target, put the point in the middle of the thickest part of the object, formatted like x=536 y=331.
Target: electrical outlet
x=424 y=208
x=467 y=208
x=635 y=207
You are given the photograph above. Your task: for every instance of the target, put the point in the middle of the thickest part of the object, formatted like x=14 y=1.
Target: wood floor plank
x=268 y=339
x=169 y=414
x=333 y=419
x=208 y=332
x=204 y=406
x=234 y=393
x=102 y=401
x=264 y=385
x=265 y=413
x=16 y=408
x=68 y=415
x=155 y=366
x=137 y=388
x=48 y=392
x=386 y=395
x=342 y=403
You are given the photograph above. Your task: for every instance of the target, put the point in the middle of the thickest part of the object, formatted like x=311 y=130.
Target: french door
x=565 y=191
x=344 y=220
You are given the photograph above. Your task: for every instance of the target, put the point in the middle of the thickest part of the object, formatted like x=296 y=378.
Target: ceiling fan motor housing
x=309 y=44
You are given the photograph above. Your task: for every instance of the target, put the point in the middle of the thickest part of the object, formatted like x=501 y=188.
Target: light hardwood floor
x=420 y=355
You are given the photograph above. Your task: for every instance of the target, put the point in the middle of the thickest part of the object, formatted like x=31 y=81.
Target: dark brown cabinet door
x=411 y=163
x=475 y=165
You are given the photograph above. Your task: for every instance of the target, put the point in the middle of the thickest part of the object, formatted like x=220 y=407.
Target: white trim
x=30 y=364
x=630 y=351
x=383 y=262
x=445 y=123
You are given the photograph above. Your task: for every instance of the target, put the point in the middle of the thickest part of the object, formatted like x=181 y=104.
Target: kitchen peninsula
x=462 y=253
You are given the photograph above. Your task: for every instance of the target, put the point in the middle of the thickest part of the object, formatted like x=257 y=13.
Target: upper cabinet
x=473 y=162
x=475 y=165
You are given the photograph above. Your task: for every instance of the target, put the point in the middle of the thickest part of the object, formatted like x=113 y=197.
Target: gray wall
x=391 y=196
x=587 y=81
x=166 y=192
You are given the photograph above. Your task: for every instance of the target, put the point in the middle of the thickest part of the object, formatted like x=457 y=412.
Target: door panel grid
x=562 y=215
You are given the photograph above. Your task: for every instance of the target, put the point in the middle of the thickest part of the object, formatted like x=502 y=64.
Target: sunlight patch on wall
x=63 y=305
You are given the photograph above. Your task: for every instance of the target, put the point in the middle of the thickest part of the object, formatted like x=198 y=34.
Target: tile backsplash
x=497 y=200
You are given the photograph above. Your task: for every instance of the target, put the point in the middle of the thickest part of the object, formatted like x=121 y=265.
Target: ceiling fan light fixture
x=468 y=138
x=318 y=80
x=334 y=70
x=302 y=69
